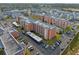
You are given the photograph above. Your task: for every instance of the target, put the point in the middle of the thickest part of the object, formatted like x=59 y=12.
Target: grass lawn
x=73 y=47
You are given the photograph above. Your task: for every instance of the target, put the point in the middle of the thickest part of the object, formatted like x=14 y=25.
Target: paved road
x=31 y=44
x=8 y=27
x=45 y=51
x=65 y=41
x=35 y=49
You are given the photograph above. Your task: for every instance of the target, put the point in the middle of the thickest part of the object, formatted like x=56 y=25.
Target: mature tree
x=78 y=27
x=1 y=51
x=68 y=28
x=58 y=36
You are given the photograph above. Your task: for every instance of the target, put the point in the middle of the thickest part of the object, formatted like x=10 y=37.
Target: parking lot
x=10 y=46
x=28 y=43
x=46 y=49
x=41 y=48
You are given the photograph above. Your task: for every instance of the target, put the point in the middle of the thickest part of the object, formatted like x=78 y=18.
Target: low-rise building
x=1 y=45
x=1 y=31
x=11 y=45
x=15 y=34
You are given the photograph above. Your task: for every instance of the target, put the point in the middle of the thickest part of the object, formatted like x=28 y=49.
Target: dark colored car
x=31 y=49
x=58 y=43
x=62 y=49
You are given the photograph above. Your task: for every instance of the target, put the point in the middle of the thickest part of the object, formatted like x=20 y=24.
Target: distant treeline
x=29 y=5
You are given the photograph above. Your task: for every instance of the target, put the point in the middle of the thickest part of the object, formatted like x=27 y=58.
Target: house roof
x=1 y=30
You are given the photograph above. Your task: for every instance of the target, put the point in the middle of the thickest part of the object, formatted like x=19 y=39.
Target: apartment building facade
x=45 y=30
x=51 y=20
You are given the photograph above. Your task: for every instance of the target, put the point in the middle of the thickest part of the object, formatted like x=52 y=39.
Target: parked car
x=59 y=42
x=43 y=45
x=37 y=53
x=23 y=32
x=46 y=46
x=62 y=49
x=31 y=48
x=52 y=47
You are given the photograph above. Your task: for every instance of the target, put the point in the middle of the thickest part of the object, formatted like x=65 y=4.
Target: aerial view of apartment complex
x=39 y=29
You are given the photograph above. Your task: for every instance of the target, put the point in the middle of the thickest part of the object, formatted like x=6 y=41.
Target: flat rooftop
x=45 y=25
x=1 y=45
x=35 y=37
x=15 y=24
x=11 y=47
